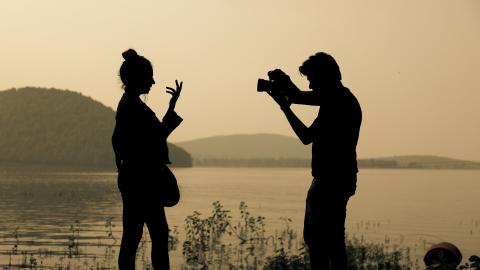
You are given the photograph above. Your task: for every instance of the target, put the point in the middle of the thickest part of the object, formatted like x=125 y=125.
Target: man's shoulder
x=351 y=99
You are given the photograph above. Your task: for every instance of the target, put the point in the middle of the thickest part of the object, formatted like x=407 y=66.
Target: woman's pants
x=139 y=208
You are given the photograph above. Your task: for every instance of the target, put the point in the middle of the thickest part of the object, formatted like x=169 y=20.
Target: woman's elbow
x=306 y=140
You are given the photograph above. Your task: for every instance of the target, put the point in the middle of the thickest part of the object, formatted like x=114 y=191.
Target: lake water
x=408 y=208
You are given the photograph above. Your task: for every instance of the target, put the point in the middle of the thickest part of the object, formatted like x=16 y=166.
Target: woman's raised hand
x=175 y=94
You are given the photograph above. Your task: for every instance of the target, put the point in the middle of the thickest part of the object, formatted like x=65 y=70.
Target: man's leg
x=319 y=259
x=324 y=227
x=338 y=254
x=314 y=232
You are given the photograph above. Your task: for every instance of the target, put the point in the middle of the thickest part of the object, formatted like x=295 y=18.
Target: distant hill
x=252 y=146
x=270 y=150
x=54 y=127
x=419 y=162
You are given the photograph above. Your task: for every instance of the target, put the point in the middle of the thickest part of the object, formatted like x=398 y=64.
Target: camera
x=268 y=85
x=264 y=85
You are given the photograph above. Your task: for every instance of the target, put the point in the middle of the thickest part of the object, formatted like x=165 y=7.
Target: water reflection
x=57 y=213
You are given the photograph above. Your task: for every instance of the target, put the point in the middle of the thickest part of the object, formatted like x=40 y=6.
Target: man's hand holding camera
x=279 y=87
x=281 y=99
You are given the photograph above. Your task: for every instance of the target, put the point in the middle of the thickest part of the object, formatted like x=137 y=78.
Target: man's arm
x=303 y=97
x=291 y=91
x=303 y=133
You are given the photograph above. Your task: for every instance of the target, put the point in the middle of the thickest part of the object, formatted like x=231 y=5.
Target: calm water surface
x=409 y=208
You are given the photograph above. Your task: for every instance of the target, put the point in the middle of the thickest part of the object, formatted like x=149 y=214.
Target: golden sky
x=414 y=65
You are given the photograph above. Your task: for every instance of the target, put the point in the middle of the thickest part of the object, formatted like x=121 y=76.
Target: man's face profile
x=314 y=82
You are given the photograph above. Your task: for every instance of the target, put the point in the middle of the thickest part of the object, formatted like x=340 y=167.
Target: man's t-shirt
x=335 y=135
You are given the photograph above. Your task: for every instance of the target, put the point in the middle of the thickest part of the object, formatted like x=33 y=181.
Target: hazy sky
x=414 y=65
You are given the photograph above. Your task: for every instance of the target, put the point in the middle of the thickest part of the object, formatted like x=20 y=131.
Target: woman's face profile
x=146 y=81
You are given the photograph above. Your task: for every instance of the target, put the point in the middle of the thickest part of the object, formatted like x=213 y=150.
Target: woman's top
x=139 y=139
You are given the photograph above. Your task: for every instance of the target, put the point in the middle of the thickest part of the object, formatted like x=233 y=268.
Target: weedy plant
x=205 y=240
x=205 y=248
x=73 y=245
x=218 y=241
x=472 y=264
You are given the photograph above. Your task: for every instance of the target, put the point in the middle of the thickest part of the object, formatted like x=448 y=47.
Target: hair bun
x=130 y=55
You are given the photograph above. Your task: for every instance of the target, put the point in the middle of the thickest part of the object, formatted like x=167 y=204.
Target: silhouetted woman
x=140 y=145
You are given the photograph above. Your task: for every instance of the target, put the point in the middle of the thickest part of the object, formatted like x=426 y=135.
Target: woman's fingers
x=171 y=91
x=179 y=88
x=179 y=85
x=175 y=92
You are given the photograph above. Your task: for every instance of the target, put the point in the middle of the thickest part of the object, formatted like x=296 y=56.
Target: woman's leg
x=132 y=233
x=158 y=229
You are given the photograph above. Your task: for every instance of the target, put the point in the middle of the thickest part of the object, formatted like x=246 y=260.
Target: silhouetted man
x=334 y=136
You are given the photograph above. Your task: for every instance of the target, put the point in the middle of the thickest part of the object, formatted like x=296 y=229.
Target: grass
x=214 y=241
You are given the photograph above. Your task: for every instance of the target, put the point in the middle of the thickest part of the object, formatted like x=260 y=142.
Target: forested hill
x=271 y=150
x=54 y=127
x=247 y=146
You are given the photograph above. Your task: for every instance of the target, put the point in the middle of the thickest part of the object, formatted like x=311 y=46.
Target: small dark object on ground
x=441 y=255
